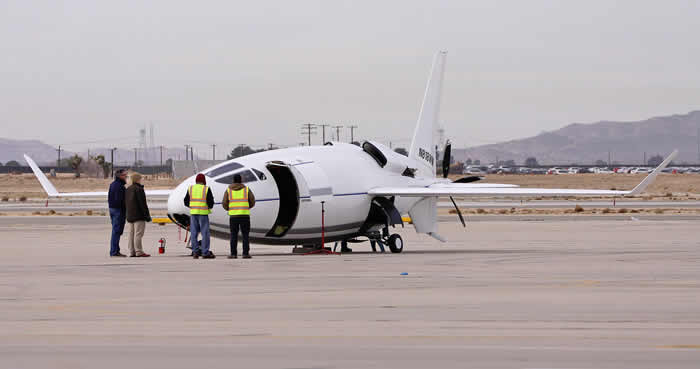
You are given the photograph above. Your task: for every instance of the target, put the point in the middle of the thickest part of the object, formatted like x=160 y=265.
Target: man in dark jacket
x=200 y=201
x=137 y=215
x=117 y=211
x=238 y=200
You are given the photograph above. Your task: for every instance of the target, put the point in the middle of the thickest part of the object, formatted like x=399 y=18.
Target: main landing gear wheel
x=395 y=243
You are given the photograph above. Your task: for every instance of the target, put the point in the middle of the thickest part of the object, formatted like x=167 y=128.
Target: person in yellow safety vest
x=238 y=200
x=200 y=201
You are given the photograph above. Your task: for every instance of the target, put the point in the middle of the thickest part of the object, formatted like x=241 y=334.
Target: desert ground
x=15 y=186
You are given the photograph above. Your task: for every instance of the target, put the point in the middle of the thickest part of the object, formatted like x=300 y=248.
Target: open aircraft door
x=318 y=187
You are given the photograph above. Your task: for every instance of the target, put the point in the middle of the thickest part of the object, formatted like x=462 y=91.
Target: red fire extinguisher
x=161 y=248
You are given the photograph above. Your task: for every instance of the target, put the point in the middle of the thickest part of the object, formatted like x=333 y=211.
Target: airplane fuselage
x=289 y=186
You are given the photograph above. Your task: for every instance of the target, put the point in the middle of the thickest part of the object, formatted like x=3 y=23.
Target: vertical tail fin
x=423 y=144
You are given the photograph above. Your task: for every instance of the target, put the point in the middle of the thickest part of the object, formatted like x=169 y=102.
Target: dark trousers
x=241 y=223
x=118 y=217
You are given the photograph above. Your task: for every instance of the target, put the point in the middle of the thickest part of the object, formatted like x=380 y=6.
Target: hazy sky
x=231 y=72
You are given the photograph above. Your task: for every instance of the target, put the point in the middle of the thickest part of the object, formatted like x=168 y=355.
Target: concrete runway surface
x=503 y=294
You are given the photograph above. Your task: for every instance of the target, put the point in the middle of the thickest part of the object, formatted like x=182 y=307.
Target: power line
x=323 y=127
x=337 y=132
x=352 y=133
x=308 y=129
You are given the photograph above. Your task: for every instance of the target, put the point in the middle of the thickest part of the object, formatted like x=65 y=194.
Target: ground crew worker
x=238 y=200
x=200 y=201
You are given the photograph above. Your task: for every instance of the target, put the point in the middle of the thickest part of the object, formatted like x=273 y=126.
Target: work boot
x=143 y=255
x=232 y=257
x=209 y=255
x=196 y=254
x=246 y=256
x=118 y=255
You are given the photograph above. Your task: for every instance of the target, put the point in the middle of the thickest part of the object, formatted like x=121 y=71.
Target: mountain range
x=626 y=142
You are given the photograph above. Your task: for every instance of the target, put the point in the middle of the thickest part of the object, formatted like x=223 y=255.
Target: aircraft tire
x=395 y=243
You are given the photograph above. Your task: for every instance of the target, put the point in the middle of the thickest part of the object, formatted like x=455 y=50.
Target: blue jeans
x=199 y=224
x=118 y=217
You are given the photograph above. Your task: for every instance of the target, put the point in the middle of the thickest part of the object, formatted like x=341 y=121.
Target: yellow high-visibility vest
x=238 y=202
x=198 y=199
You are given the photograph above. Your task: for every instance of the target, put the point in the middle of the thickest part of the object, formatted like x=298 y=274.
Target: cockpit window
x=261 y=175
x=223 y=169
x=246 y=176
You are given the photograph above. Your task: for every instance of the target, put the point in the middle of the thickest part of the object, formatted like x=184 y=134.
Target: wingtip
x=650 y=178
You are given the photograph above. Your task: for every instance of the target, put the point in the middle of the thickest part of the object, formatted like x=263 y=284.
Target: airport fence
x=146 y=169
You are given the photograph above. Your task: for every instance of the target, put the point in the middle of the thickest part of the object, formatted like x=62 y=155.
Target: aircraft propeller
x=446 y=158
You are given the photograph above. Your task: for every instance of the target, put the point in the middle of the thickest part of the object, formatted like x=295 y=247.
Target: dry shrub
x=5 y=198
x=88 y=212
x=658 y=211
x=606 y=211
x=668 y=194
x=622 y=211
x=36 y=213
x=578 y=208
x=452 y=211
x=23 y=198
x=503 y=211
x=512 y=210
x=635 y=211
x=480 y=211
x=52 y=212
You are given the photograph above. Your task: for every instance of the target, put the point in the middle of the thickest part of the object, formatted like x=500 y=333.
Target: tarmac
x=501 y=294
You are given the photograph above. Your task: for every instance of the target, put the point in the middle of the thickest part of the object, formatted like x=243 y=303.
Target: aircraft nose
x=177 y=211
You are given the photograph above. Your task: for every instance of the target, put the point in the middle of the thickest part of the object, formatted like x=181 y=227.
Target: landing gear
x=395 y=243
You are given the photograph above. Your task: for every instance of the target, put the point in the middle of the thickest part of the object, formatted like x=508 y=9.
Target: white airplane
x=364 y=190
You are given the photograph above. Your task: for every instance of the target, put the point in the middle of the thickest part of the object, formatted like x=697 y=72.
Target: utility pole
x=645 y=159
x=112 y=160
x=323 y=128
x=308 y=129
x=136 y=156
x=161 y=155
x=609 y=162
x=192 y=153
x=337 y=132
x=352 y=133
x=270 y=146
x=187 y=152
x=213 y=152
x=58 y=162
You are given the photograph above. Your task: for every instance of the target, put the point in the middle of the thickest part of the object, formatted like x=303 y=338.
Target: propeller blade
x=446 y=158
x=459 y=213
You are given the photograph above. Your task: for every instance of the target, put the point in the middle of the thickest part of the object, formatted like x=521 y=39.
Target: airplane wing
x=472 y=185
x=444 y=189
x=52 y=192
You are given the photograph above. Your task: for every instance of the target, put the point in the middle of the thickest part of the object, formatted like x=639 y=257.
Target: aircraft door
x=316 y=181
x=289 y=195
